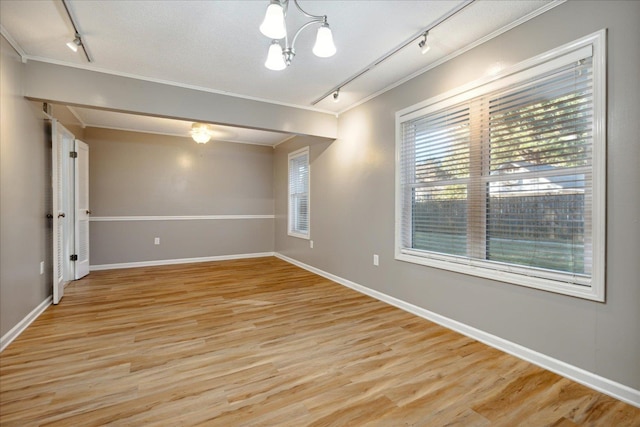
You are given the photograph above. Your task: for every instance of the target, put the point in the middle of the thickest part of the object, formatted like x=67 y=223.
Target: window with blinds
x=505 y=179
x=298 y=217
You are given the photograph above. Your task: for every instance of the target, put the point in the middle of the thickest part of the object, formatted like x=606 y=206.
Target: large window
x=505 y=178
x=299 y=193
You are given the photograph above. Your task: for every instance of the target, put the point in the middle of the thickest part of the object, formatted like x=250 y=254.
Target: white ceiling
x=216 y=46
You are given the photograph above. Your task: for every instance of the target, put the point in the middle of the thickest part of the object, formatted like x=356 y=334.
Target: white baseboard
x=177 y=261
x=24 y=323
x=579 y=375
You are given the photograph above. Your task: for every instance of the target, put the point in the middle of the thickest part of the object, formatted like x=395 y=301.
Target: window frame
x=592 y=289
x=291 y=231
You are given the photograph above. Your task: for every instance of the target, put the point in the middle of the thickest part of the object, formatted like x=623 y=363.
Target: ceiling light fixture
x=75 y=43
x=423 y=44
x=274 y=26
x=201 y=132
x=336 y=96
x=457 y=9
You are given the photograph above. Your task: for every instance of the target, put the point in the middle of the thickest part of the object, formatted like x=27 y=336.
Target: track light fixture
x=423 y=44
x=336 y=96
x=201 y=132
x=75 y=43
x=274 y=26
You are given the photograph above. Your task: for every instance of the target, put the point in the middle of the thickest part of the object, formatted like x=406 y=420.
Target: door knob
x=88 y=212
x=61 y=215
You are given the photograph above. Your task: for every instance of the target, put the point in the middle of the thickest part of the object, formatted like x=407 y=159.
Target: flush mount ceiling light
x=201 y=132
x=423 y=44
x=274 y=26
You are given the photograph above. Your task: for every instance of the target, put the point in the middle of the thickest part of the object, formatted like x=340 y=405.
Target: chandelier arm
x=295 y=37
x=322 y=17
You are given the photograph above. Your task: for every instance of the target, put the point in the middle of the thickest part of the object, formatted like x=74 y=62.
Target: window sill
x=299 y=235
x=589 y=291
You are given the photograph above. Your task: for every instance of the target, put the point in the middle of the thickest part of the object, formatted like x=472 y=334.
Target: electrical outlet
x=41 y=267
x=376 y=260
x=156 y=241
x=311 y=244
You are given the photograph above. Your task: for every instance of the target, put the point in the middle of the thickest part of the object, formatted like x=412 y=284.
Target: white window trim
x=593 y=289
x=291 y=233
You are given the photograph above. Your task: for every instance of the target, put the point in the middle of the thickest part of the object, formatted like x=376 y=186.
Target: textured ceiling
x=216 y=45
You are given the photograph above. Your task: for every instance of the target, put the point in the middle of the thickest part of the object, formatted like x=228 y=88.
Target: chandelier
x=274 y=26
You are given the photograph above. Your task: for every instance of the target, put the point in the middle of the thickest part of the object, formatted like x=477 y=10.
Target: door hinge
x=73 y=257
x=73 y=154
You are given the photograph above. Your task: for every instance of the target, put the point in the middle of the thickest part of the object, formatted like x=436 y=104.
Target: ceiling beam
x=78 y=87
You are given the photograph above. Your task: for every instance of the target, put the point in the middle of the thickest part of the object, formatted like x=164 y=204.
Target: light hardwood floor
x=263 y=343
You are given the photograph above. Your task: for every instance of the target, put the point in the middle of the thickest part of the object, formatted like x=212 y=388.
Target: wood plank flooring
x=263 y=343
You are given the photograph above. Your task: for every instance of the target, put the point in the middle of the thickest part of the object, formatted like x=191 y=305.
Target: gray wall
x=352 y=204
x=138 y=174
x=25 y=168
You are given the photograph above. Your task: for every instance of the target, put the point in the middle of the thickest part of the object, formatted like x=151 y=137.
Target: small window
x=299 y=193
x=504 y=179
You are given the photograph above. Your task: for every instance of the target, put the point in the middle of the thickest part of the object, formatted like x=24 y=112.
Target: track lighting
x=423 y=44
x=274 y=26
x=75 y=43
x=424 y=47
x=201 y=132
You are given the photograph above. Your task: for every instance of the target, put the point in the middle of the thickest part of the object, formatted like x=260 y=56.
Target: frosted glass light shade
x=324 y=46
x=201 y=133
x=275 y=60
x=273 y=25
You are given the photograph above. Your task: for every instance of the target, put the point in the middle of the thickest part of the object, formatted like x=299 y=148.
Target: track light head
x=423 y=44
x=336 y=96
x=75 y=43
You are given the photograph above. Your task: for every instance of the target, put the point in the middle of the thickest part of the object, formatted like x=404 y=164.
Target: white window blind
x=500 y=181
x=299 y=193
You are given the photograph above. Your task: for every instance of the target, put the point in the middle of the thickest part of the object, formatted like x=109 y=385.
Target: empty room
x=319 y=213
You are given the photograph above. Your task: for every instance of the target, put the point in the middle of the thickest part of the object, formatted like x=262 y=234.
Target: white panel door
x=82 y=209
x=62 y=143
